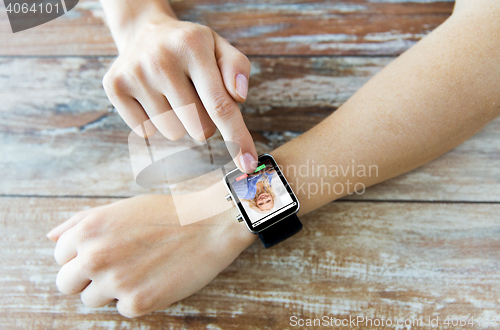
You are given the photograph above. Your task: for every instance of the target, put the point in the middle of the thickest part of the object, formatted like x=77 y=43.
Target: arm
x=165 y=64
x=123 y=17
x=430 y=99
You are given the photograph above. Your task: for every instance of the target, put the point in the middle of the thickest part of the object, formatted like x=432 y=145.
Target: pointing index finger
x=224 y=112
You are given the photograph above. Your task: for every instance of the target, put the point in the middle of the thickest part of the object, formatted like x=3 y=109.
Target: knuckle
x=88 y=228
x=121 y=283
x=124 y=309
x=114 y=84
x=222 y=106
x=141 y=302
x=80 y=214
x=60 y=247
x=118 y=281
x=88 y=302
x=61 y=284
x=136 y=304
x=85 y=300
x=156 y=60
x=192 y=38
x=64 y=282
x=135 y=73
x=129 y=314
x=153 y=54
x=93 y=260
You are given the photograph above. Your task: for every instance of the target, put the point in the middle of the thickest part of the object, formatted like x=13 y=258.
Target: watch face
x=263 y=197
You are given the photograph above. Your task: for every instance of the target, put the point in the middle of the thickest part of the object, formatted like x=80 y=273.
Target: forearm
x=124 y=16
x=433 y=97
x=430 y=99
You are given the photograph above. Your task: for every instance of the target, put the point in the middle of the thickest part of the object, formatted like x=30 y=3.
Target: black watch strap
x=280 y=231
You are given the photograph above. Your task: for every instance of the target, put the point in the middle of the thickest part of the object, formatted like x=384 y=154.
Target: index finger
x=224 y=111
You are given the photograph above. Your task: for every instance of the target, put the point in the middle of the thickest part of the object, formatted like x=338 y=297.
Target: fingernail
x=248 y=162
x=241 y=85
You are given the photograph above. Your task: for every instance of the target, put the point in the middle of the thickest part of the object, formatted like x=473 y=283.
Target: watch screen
x=263 y=197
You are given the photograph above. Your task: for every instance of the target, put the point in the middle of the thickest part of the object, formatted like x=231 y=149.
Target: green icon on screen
x=260 y=168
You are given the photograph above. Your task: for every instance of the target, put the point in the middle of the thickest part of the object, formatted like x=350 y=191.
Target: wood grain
x=351 y=27
x=391 y=260
x=60 y=136
x=423 y=244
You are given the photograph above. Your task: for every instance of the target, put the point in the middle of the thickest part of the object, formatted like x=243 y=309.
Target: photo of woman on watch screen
x=261 y=193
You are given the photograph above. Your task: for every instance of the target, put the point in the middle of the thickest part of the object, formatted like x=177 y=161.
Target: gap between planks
x=336 y=201
x=249 y=56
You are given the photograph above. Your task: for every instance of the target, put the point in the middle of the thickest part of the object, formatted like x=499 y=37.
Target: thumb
x=234 y=67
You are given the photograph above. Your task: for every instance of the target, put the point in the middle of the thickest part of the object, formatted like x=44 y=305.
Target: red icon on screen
x=241 y=177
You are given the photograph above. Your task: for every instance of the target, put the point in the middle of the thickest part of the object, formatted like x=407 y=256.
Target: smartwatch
x=265 y=201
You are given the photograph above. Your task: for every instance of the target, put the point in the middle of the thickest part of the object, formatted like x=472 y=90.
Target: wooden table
x=425 y=244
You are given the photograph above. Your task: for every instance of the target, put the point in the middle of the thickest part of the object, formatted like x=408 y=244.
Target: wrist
x=237 y=233
x=210 y=209
x=130 y=20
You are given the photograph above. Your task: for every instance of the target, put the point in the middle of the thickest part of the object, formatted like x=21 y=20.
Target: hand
x=166 y=64
x=135 y=251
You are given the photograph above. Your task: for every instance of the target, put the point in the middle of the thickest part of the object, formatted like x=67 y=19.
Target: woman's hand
x=135 y=251
x=165 y=64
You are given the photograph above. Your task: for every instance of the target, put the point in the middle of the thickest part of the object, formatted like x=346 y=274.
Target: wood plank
x=352 y=27
x=285 y=94
x=391 y=260
x=59 y=135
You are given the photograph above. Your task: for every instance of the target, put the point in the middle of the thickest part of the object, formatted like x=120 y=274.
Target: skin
x=165 y=64
x=427 y=101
